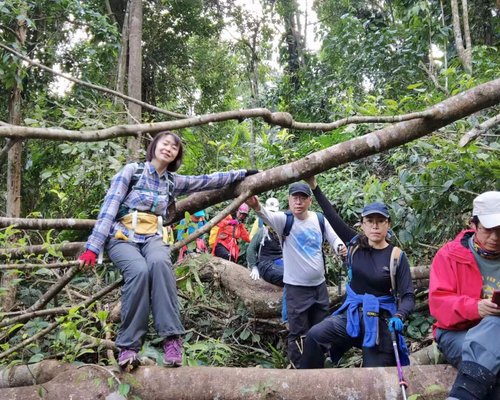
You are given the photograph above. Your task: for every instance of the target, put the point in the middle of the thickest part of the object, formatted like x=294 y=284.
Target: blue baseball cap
x=375 y=208
x=299 y=187
x=199 y=213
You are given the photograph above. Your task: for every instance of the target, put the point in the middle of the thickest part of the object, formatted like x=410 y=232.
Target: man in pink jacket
x=464 y=275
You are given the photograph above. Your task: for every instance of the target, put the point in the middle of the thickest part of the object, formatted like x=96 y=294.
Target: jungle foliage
x=206 y=56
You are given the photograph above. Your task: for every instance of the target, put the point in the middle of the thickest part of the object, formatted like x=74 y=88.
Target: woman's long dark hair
x=150 y=153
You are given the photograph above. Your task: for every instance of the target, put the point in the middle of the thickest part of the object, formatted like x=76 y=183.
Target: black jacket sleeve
x=344 y=231
x=405 y=288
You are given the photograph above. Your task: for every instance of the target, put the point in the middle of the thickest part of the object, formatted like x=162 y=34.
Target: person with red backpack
x=230 y=230
x=130 y=227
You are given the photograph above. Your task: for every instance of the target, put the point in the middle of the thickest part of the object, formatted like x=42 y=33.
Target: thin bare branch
x=8 y=145
x=67 y=249
x=91 y=85
x=433 y=78
x=31 y=339
x=27 y=267
x=61 y=310
x=480 y=129
x=55 y=289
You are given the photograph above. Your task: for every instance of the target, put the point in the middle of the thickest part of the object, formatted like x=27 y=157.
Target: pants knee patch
x=473 y=381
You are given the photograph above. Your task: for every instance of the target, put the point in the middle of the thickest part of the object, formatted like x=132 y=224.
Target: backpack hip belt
x=142 y=223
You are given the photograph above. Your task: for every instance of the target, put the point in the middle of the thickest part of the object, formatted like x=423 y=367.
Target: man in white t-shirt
x=304 y=269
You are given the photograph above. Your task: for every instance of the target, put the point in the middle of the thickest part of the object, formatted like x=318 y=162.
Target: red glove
x=233 y=222
x=88 y=258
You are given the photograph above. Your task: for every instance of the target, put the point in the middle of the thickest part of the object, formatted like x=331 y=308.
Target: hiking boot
x=173 y=352
x=128 y=360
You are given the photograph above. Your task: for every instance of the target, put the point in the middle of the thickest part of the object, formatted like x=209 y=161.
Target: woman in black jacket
x=370 y=310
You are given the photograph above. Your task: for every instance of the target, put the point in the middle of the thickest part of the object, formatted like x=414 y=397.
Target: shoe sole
x=129 y=365
x=174 y=364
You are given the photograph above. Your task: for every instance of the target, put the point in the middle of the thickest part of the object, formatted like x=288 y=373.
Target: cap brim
x=300 y=191
x=489 y=221
x=375 y=213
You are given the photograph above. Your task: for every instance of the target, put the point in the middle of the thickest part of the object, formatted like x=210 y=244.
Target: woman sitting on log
x=130 y=227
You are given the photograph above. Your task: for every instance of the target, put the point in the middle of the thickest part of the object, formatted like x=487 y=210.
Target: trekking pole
x=401 y=378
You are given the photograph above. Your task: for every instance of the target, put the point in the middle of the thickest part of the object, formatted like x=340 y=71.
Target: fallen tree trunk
x=261 y=299
x=90 y=382
x=42 y=223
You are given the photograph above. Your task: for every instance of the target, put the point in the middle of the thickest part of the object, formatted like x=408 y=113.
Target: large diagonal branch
x=444 y=113
x=90 y=85
x=282 y=119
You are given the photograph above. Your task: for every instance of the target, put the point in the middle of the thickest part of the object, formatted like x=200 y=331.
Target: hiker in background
x=265 y=257
x=129 y=226
x=197 y=220
x=465 y=273
x=228 y=231
x=371 y=309
x=264 y=254
x=304 y=267
x=272 y=204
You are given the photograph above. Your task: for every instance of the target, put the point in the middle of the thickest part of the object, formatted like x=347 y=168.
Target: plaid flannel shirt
x=149 y=194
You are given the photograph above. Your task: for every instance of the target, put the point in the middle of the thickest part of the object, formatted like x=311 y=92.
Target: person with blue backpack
x=185 y=228
x=379 y=297
x=130 y=227
x=302 y=235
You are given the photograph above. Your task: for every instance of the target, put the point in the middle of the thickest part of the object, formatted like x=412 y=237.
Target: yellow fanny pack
x=141 y=222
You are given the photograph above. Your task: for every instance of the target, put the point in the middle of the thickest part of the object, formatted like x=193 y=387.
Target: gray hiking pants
x=149 y=283
x=478 y=344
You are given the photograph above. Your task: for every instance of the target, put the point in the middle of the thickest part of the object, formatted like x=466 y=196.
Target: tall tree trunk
x=122 y=59
x=254 y=89
x=14 y=164
x=464 y=51
x=135 y=72
x=294 y=39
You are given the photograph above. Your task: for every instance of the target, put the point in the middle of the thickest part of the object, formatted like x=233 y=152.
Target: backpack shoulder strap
x=139 y=169
x=288 y=225
x=396 y=256
x=321 y=220
x=352 y=247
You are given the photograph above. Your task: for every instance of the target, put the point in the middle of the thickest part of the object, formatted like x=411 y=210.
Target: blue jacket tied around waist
x=371 y=307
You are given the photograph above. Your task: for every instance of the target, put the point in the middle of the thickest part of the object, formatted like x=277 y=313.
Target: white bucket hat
x=486 y=207
x=272 y=204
